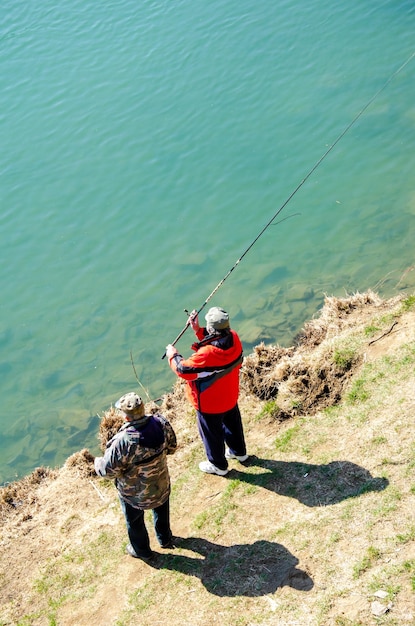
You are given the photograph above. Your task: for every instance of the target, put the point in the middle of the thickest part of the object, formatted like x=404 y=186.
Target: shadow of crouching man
x=253 y=569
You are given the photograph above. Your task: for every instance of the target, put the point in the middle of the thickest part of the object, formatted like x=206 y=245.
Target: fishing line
x=138 y=380
x=300 y=184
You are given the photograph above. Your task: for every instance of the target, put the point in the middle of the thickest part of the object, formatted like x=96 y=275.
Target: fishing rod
x=292 y=194
x=227 y=275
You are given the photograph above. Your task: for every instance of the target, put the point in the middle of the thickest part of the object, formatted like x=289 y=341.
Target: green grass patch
x=384 y=580
x=28 y=620
x=371 y=330
x=345 y=621
x=332 y=413
x=217 y=514
x=407 y=536
x=389 y=501
x=388 y=319
x=74 y=573
x=285 y=441
x=200 y=520
x=344 y=358
x=408 y=303
x=270 y=410
x=377 y=441
x=371 y=557
x=409 y=567
x=358 y=392
x=394 y=578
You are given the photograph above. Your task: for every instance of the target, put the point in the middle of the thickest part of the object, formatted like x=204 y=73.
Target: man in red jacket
x=212 y=376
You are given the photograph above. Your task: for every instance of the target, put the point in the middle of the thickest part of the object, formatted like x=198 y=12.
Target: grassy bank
x=317 y=529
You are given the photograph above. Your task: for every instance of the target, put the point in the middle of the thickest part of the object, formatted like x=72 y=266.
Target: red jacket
x=212 y=373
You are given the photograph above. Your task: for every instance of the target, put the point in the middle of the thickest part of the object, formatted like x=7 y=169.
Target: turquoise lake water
x=144 y=147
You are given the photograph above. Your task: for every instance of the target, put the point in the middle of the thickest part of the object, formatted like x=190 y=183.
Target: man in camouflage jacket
x=136 y=458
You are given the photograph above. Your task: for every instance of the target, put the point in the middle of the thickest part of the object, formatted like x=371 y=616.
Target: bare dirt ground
x=286 y=551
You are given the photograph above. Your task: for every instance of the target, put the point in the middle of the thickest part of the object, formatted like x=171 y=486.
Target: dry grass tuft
x=111 y=422
x=336 y=315
x=264 y=369
x=175 y=402
x=83 y=462
x=312 y=375
x=21 y=495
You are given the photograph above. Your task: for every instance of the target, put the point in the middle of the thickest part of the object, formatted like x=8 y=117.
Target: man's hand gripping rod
x=173 y=343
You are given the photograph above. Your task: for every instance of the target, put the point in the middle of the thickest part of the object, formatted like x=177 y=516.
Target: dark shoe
x=145 y=556
x=169 y=545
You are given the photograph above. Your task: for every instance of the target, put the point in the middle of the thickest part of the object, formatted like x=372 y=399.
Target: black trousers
x=136 y=528
x=218 y=429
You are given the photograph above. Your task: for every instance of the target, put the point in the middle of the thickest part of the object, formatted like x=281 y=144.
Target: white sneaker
x=209 y=468
x=231 y=455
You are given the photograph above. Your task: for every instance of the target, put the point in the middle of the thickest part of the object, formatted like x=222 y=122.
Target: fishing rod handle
x=173 y=343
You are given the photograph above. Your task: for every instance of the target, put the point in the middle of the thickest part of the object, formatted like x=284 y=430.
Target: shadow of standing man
x=251 y=570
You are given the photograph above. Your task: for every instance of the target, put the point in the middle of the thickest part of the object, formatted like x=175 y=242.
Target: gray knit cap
x=217 y=318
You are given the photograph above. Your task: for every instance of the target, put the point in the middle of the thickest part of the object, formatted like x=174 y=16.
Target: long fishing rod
x=300 y=184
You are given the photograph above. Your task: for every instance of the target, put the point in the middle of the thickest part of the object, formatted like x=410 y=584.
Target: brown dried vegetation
x=311 y=375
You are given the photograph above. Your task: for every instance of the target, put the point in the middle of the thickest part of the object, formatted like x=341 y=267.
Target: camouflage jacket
x=136 y=458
